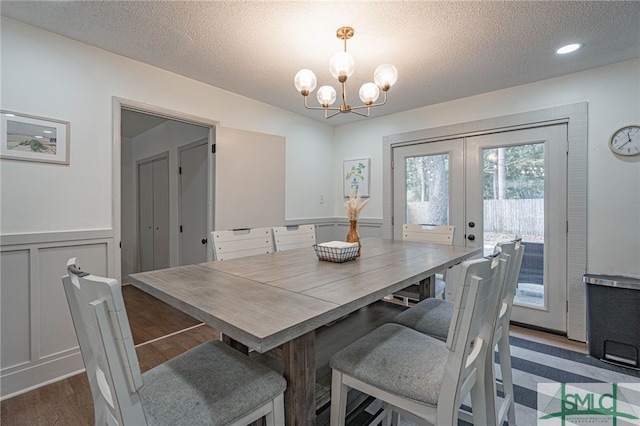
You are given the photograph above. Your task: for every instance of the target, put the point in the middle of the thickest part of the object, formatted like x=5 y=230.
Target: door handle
x=471 y=237
x=204 y=241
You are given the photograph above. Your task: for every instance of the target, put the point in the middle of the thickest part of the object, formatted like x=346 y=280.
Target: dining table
x=275 y=302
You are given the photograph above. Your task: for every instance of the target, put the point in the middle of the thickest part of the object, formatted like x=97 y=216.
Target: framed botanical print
x=357 y=175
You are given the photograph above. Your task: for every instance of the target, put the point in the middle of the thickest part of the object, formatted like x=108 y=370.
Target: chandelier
x=341 y=67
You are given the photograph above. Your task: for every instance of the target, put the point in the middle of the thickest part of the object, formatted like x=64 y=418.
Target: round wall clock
x=626 y=141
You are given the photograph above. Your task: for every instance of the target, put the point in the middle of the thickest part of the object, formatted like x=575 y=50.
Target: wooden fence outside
x=520 y=217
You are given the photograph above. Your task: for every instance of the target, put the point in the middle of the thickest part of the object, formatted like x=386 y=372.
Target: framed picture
x=30 y=138
x=356 y=174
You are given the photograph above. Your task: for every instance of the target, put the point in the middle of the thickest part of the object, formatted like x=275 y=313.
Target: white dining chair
x=506 y=410
x=291 y=237
x=211 y=384
x=431 y=317
x=423 y=378
x=439 y=234
x=241 y=242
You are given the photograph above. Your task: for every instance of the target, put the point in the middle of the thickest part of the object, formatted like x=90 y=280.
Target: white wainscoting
x=336 y=229
x=38 y=343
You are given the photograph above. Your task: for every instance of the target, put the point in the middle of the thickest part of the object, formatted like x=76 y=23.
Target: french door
x=492 y=188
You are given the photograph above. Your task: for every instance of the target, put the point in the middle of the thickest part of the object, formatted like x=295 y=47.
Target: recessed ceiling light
x=568 y=48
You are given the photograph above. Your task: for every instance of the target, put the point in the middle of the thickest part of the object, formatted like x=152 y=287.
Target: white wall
x=78 y=84
x=613 y=95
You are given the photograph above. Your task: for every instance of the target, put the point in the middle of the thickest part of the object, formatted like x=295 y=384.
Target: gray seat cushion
x=398 y=360
x=211 y=384
x=431 y=316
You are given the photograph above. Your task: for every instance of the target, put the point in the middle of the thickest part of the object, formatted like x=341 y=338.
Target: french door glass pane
x=514 y=207
x=428 y=189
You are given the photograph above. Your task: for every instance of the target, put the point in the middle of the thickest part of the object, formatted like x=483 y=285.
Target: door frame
x=118 y=104
x=576 y=118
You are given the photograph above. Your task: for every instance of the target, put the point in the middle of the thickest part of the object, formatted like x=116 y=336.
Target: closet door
x=153 y=214
x=161 y=213
x=145 y=216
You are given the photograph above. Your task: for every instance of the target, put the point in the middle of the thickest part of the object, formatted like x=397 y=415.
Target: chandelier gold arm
x=320 y=107
x=372 y=105
x=346 y=108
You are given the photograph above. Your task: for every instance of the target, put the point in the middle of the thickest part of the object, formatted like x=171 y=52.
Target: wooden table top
x=266 y=300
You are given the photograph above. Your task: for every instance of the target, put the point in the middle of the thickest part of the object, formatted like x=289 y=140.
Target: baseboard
x=35 y=376
x=541 y=329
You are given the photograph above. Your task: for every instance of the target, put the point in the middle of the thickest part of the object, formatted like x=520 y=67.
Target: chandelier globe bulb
x=326 y=96
x=305 y=81
x=342 y=66
x=385 y=76
x=369 y=93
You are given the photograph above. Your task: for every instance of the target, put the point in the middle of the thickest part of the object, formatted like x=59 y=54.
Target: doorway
x=143 y=131
x=492 y=188
x=575 y=116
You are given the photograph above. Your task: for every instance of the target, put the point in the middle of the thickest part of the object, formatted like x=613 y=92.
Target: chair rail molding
x=336 y=228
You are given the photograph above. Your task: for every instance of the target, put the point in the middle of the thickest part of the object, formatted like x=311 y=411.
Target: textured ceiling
x=442 y=50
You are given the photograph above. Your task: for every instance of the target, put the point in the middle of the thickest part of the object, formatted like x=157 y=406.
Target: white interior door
x=499 y=186
x=193 y=204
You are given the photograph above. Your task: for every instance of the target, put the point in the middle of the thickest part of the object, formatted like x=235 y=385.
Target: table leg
x=298 y=357
x=428 y=287
x=234 y=344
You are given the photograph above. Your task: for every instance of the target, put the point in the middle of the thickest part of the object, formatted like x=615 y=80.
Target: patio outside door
x=493 y=188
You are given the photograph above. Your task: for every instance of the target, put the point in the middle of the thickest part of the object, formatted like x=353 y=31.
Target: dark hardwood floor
x=161 y=332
